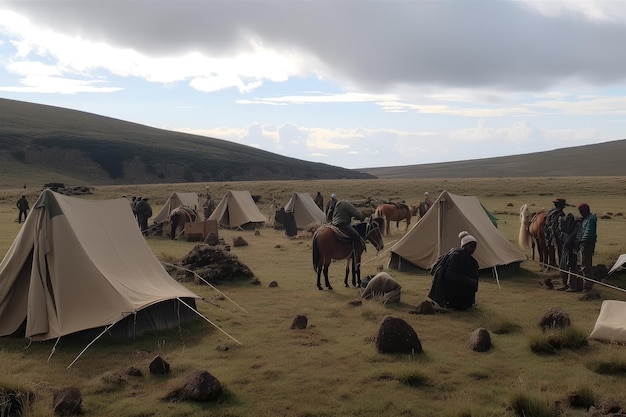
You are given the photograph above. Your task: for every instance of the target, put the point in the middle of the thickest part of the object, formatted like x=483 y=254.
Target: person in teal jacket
x=586 y=246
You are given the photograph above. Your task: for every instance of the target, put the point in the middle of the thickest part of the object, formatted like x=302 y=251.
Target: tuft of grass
x=532 y=404
x=551 y=341
x=15 y=401
x=581 y=397
x=414 y=379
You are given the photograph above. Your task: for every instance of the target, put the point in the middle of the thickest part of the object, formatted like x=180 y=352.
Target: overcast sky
x=351 y=83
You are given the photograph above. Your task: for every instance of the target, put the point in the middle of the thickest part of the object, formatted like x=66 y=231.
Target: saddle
x=340 y=234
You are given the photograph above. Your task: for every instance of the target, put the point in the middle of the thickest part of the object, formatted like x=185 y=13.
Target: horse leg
x=345 y=278
x=326 y=277
x=356 y=271
x=318 y=271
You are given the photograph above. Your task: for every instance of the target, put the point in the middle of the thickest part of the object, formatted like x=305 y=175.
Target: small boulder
x=553 y=318
x=273 y=284
x=199 y=386
x=159 y=366
x=425 y=307
x=239 y=242
x=480 y=340
x=67 y=401
x=132 y=371
x=299 y=322
x=396 y=336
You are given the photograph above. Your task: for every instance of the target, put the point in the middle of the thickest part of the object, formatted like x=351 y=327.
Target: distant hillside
x=603 y=159
x=51 y=144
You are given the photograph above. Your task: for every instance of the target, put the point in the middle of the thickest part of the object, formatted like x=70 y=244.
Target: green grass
x=332 y=367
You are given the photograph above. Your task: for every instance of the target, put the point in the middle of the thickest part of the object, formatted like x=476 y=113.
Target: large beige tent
x=80 y=264
x=178 y=199
x=438 y=232
x=304 y=210
x=237 y=209
x=611 y=322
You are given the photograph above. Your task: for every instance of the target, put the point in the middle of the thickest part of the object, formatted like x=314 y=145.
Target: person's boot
x=564 y=285
x=575 y=285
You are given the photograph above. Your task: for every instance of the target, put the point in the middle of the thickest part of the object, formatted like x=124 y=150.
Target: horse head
x=373 y=232
x=524 y=214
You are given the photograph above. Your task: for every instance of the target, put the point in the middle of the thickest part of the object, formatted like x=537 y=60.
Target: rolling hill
x=41 y=144
x=603 y=159
x=51 y=144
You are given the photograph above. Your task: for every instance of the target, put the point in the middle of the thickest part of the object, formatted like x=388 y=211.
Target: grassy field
x=332 y=368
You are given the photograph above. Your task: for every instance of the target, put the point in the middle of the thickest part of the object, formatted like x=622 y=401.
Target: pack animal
x=395 y=212
x=329 y=244
x=532 y=234
x=177 y=219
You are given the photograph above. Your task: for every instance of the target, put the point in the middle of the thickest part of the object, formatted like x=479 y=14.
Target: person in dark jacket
x=330 y=208
x=586 y=247
x=456 y=284
x=143 y=210
x=23 y=207
x=342 y=218
x=319 y=200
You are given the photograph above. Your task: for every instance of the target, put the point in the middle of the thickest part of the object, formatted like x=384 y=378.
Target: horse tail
x=316 y=253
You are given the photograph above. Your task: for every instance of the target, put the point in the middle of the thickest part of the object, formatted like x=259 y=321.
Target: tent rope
x=54 y=348
x=581 y=276
x=209 y=321
x=207 y=283
x=106 y=329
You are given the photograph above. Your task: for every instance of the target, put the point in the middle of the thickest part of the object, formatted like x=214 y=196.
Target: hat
x=426 y=193
x=333 y=196
x=466 y=238
x=559 y=201
x=583 y=207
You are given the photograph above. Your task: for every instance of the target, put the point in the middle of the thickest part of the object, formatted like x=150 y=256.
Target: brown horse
x=396 y=213
x=533 y=233
x=328 y=245
x=178 y=217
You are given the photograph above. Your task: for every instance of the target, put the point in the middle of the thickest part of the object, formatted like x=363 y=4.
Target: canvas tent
x=305 y=210
x=619 y=265
x=80 y=264
x=178 y=199
x=611 y=322
x=438 y=231
x=237 y=209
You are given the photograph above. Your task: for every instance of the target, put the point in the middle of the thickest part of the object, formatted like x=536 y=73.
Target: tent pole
x=106 y=329
x=495 y=274
x=209 y=321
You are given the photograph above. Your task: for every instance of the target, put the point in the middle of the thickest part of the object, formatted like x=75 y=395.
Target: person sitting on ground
x=342 y=218
x=330 y=207
x=455 y=283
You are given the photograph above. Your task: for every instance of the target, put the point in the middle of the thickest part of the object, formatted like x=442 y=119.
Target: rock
x=299 y=322
x=396 y=336
x=159 y=366
x=554 y=317
x=132 y=371
x=67 y=401
x=273 y=284
x=480 y=340
x=199 y=386
x=239 y=242
x=425 y=307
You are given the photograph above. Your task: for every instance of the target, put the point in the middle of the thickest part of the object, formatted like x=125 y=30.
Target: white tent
x=438 y=232
x=178 y=199
x=237 y=209
x=611 y=323
x=619 y=265
x=304 y=210
x=80 y=264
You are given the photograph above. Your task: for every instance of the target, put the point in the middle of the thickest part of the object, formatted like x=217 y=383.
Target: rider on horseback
x=342 y=218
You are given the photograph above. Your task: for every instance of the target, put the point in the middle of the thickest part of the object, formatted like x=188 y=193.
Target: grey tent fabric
x=438 y=231
x=305 y=210
x=236 y=209
x=79 y=264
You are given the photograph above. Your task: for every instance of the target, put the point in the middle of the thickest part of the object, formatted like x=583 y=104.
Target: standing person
x=343 y=213
x=319 y=200
x=586 y=247
x=553 y=234
x=427 y=199
x=144 y=212
x=330 y=207
x=23 y=207
x=455 y=282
